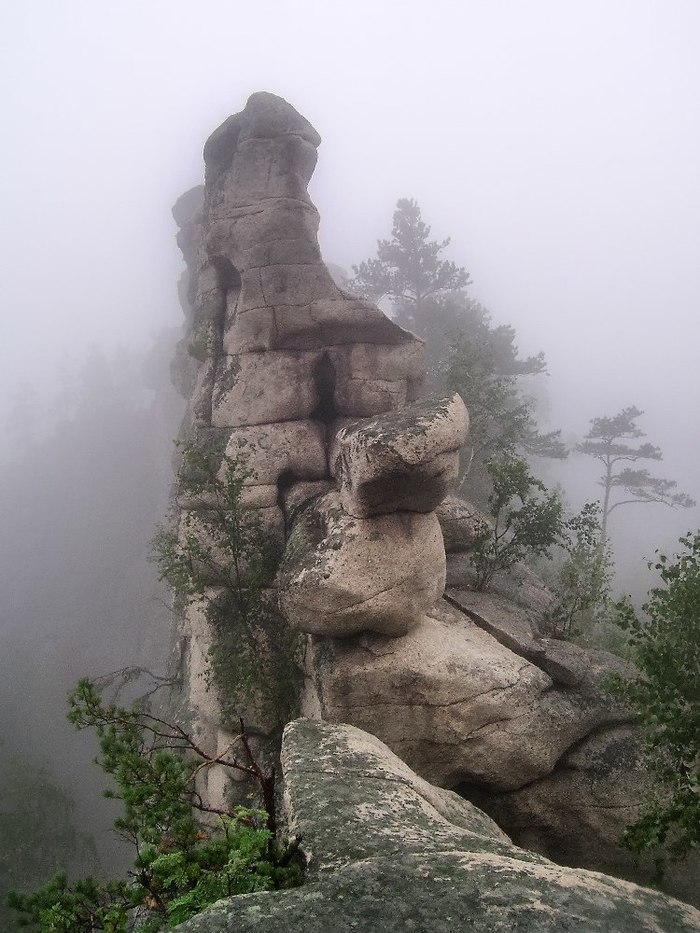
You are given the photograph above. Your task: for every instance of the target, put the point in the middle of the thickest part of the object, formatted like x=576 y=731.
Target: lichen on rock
x=316 y=393
x=387 y=851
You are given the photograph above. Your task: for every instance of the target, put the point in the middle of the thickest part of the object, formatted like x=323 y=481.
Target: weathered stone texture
x=402 y=460
x=337 y=580
x=461 y=524
x=295 y=449
x=455 y=704
x=314 y=390
x=389 y=852
x=275 y=351
x=262 y=388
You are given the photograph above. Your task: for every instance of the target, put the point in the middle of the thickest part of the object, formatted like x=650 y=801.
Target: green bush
x=221 y=559
x=581 y=583
x=526 y=519
x=665 y=646
x=187 y=855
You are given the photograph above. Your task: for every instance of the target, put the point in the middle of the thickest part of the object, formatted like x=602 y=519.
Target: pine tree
x=408 y=269
x=608 y=442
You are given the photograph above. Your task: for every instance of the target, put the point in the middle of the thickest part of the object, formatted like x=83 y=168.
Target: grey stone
x=520 y=584
x=334 y=321
x=517 y=629
x=457 y=705
x=388 y=852
x=295 y=449
x=402 y=460
x=262 y=388
x=362 y=398
x=334 y=429
x=259 y=497
x=296 y=496
x=335 y=578
x=461 y=523
x=577 y=813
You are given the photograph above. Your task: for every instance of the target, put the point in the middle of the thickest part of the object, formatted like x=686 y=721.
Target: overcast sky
x=557 y=143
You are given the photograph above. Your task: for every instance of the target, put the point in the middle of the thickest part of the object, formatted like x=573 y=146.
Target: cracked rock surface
x=342 y=575
x=457 y=705
x=388 y=851
x=276 y=356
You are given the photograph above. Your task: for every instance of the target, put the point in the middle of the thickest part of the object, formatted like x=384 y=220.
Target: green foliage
x=582 y=583
x=464 y=351
x=86 y=905
x=137 y=749
x=485 y=368
x=220 y=559
x=169 y=885
x=182 y=864
x=607 y=441
x=526 y=520
x=408 y=269
x=666 y=695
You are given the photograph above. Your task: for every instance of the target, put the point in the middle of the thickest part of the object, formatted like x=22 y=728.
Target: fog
x=557 y=144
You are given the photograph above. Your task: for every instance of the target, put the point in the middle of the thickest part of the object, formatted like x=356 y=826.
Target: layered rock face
x=370 y=557
x=388 y=851
x=314 y=391
x=283 y=360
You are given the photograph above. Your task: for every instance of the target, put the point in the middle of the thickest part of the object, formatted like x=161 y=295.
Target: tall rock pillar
x=276 y=358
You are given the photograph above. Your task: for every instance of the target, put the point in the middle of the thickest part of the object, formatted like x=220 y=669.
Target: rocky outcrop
x=388 y=851
x=458 y=705
x=335 y=578
x=280 y=358
x=314 y=393
x=405 y=460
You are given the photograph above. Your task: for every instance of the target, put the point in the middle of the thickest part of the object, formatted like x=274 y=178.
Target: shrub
x=182 y=862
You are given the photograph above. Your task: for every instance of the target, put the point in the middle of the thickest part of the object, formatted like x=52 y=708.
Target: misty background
x=557 y=144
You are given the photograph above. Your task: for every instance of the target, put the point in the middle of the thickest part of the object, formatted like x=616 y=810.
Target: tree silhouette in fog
x=465 y=352
x=79 y=505
x=608 y=441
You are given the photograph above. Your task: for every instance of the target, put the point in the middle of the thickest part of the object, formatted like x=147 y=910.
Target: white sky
x=557 y=143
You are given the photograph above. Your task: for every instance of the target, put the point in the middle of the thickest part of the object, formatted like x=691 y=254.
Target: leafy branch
x=182 y=864
x=582 y=584
x=666 y=696
x=220 y=558
x=526 y=519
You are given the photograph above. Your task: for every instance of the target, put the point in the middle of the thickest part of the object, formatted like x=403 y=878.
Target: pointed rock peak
x=265 y=116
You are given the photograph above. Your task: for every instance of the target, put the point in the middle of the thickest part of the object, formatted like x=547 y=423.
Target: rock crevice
x=412 y=856
x=315 y=392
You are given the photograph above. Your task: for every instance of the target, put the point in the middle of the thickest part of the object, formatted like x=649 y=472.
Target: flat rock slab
x=517 y=629
x=402 y=460
x=323 y=322
x=388 y=852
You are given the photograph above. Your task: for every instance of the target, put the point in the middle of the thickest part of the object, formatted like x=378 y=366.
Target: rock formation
x=315 y=392
x=283 y=360
x=388 y=851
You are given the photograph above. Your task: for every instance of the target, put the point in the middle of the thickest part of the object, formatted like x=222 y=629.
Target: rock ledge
x=388 y=851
